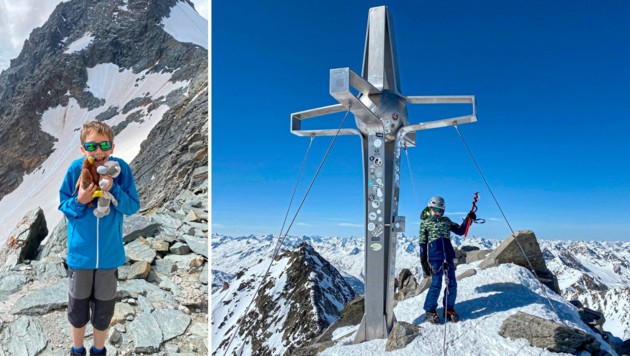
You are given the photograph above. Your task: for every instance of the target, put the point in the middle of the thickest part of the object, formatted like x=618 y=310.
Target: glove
x=426 y=268
x=472 y=216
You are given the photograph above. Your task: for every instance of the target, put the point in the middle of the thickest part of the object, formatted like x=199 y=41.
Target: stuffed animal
x=88 y=176
x=108 y=169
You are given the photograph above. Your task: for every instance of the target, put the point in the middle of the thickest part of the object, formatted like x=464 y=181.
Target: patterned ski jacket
x=97 y=243
x=435 y=237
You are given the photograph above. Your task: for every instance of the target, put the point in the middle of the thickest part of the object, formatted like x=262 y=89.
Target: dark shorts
x=92 y=291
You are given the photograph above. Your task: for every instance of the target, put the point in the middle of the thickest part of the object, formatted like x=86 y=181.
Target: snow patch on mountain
x=186 y=25
x=116 y=87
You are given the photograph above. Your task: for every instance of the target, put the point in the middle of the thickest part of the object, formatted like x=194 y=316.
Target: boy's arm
x=459 y=229
x=69 y=205
x=125 y=191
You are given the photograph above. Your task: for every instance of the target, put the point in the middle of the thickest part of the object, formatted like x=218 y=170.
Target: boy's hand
x=85 y=195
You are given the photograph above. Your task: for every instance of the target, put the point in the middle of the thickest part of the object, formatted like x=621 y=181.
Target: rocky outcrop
x=24 y=240
x=162 y=310
x=408 y=285
x=401 y=335
x=547 y=334
x=522 y=249
x=300 y=296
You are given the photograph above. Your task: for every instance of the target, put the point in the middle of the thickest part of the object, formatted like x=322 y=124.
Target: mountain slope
x=301 y=296
x=139 y=66
x=347 y=255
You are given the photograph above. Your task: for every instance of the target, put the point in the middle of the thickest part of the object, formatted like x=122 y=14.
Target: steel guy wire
x=281 y=238
x=506 y=220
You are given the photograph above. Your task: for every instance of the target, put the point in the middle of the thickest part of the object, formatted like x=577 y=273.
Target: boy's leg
x=430 y=303
x=449 y=302
x=105 y=285
x=80 y=289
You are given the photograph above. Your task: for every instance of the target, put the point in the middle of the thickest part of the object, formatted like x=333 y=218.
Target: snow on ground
x=80 y=44
x=484 y=301
x=186 y=25
x=116 y=87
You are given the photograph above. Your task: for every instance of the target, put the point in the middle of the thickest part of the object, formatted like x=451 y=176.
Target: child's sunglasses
x=91 y=146
x=437 y=210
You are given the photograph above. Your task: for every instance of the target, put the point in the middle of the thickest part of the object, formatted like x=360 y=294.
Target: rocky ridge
x=300 y=297
x=162 y=297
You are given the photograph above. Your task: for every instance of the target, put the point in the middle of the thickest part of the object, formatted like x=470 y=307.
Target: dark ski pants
x=430 y=303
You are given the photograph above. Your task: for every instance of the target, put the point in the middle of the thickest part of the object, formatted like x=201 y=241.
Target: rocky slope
x=162 y=298
x=299 y=298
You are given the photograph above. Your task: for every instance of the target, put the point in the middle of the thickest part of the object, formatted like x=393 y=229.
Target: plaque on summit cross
x=380 y=112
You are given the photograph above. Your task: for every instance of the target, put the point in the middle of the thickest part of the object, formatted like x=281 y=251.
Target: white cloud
x=349 y=225
x=304 y=224
x=17 y=20
x=220 y=226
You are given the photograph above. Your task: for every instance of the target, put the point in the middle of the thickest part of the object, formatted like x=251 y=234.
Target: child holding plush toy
x=95 y=244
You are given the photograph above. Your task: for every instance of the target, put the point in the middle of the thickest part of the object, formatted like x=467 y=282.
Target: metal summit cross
x=381 y=118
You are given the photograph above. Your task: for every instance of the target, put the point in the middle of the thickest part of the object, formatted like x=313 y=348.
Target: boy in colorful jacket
x=95 y=245
x=437 y=255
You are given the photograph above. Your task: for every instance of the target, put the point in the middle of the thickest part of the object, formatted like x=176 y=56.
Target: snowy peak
x=301 y=295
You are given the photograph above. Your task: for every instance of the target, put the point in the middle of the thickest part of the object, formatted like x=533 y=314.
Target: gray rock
x=408 y=285
x=401 y=335
x=160 y=246
x=522 y=249
x=199 y=329
x=140 y=250
x=185 y=262
x=197 y=245
x=57 y=243
x=145 y=304
x=164 y=266
x=547 y=334
x=146 y=333
x=180 y=249
x=172 y=322
x=476 y=255
x=135 y=287
x=43 y=300
x=50 y=268
x=138 y=225
x=469 y=273
x=123 y=272
x=201 y=226
x=203 y=276
x=115 y=338
x=25 y=337
x=139 y=270
x=11 y=283
x=169 y=219
x=24 y=240
x=121 y=312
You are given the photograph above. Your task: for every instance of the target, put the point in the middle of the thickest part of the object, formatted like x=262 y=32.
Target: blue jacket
x=95 y=243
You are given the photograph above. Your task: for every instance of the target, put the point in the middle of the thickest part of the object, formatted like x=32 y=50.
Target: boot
x=74 y=353
x=433 y=318
x=103 y=353
x=451 y=315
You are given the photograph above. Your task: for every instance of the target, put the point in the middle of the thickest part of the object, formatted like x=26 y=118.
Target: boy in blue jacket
x=95 y=245
x=437 y=257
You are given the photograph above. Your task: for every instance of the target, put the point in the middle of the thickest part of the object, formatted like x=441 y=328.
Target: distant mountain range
x=595 y=273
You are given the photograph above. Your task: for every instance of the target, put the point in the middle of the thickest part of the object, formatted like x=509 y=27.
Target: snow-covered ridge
x=606 y=263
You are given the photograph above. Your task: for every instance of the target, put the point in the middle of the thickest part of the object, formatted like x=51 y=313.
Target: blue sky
x=552 y=84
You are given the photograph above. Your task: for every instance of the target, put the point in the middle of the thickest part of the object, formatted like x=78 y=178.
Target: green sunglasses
x=91 y=146
x=437 y=210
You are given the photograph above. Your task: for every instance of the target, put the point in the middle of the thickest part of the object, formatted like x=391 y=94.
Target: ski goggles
x=437 y=210
x=91 y=146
